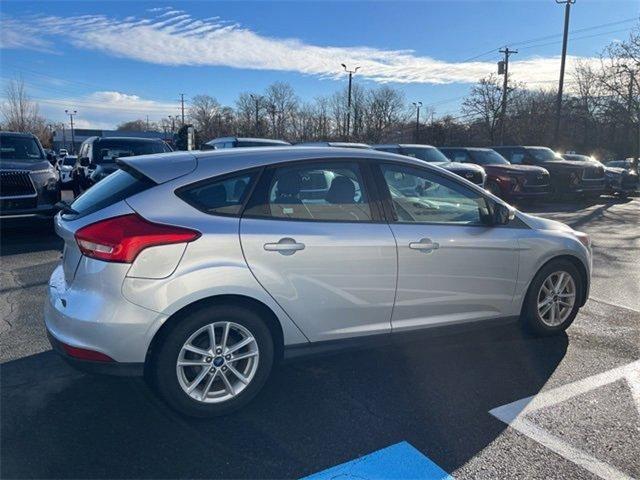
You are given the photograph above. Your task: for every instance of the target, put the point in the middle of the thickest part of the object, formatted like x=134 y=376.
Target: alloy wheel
x=217 y=362
x=556 y=298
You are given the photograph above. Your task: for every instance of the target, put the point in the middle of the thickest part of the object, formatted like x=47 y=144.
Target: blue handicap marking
x=399 y=461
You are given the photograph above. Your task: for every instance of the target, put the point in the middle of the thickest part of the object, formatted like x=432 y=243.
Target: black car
x=29 y=182
x=236 y=142
x=98 y=155
x=473 y=173
x=618 y=180
x=504 y=180
x=573 y=178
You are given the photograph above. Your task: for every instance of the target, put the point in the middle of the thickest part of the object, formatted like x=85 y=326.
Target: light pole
x=351 y=73
x=567 y=11
x=417 y=105
x=257 y=99
x=173 y=123
x=71 y=113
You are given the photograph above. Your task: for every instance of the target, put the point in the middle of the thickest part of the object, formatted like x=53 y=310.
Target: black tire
x=530 y=316
x=163 y=366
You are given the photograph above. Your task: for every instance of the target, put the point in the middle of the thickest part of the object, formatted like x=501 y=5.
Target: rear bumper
x=100 y=320
x=101 y=368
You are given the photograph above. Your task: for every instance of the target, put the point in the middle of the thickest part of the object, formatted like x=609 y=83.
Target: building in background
x=62 y=139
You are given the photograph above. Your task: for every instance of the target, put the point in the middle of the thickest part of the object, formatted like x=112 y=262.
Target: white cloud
x=173 y=37
x=105 y=109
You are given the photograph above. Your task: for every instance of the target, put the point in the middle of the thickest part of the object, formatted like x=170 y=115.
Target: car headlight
x=52 y=184
x=583 y=238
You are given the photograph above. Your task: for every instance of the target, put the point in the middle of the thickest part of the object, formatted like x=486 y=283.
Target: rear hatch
x=107 y=198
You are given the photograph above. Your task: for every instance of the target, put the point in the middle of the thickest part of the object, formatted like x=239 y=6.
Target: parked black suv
x=510 y=182
x=618 y=180
x=29 y=182
x=235 y=142
x=99 y=154
x=473 y=173
x=582 y=178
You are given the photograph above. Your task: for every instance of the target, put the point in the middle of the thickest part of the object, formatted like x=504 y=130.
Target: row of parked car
x=513 y=173
x=31 y=178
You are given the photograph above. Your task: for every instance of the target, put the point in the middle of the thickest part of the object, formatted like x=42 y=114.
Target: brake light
x=121 y=239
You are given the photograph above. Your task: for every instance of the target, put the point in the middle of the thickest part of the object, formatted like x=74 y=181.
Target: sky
x=115 y=61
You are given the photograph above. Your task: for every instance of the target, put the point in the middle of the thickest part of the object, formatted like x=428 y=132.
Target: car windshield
x=543 y=154
x=488 y=157
x=69 y=161
x=20 y=148
x=110 y=150
x=428 y=154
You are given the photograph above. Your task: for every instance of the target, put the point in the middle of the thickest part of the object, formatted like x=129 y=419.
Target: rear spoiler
x=160 y=168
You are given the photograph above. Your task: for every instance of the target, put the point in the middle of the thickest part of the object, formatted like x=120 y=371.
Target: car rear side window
x=116 y=187
x=221 y=196
x=322 y=191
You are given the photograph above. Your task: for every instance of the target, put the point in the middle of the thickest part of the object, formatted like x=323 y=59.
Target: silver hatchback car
x=204 y=269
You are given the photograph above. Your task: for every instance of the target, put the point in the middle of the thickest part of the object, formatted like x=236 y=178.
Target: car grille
x=593 y=173
x=16 y=183
x=536 y=180
x=472 y=176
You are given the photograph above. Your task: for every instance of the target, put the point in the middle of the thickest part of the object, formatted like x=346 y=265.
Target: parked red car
x=504 y=180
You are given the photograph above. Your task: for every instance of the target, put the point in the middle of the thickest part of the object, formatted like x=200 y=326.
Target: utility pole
x=147 y=123
x=503 y=68
x=417 y=105
x=567 y=11
x=256 y=99
x=71 y=113
x=173 y=123
x=182 y=107
x=351 y=73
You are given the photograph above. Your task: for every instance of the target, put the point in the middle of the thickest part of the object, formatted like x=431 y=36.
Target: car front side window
x=419 y=196
x=332 y=191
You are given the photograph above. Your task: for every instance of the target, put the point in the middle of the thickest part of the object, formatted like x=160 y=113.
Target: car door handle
x=425 y=244
x=286 y=246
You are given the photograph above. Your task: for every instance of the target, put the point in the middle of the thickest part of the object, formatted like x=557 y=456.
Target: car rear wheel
x=214 y=361
x=553 y=298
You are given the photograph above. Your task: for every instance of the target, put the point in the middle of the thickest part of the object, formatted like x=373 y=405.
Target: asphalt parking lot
x=486 y=404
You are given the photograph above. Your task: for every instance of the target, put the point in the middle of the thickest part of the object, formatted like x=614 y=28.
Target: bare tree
x=484 y=103
x=203 y=114
x=21 y=114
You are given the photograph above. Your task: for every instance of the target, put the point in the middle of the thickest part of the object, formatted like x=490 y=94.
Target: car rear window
x=116 y=187
x=107 y=150
x=220 y=196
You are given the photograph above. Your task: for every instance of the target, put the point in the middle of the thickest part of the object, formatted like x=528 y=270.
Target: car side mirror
x=84 y=161
x=501 y=214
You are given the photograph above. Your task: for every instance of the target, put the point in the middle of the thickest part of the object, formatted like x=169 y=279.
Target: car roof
x=363 y=146
x=403 y=145
x=202 y=164
x=17 y=134
x=466 y=148
x=135 y=139
x=248 y=139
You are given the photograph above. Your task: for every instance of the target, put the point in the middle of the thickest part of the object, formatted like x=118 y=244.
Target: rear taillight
x=85 y=354
x=121 y=239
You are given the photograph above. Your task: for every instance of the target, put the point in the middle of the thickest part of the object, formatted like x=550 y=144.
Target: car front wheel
x=214 y=361
x=553 y=298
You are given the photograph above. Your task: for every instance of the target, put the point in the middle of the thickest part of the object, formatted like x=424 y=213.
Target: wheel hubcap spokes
x=556 y=298
x=217 y=362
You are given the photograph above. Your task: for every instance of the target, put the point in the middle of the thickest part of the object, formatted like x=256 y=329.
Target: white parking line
x=514 y=414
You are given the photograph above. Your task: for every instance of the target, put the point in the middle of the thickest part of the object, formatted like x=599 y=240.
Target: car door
x=452 y=266
x=317 y=242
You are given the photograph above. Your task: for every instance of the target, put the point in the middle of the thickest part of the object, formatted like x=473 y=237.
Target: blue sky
x=115 y=60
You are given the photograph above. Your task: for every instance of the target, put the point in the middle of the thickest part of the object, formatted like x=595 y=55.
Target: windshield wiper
x=64 y=207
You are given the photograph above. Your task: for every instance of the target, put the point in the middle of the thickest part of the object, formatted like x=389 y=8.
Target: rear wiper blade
x=64 y=207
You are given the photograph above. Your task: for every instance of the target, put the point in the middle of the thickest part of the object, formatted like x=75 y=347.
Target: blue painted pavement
x=399 y=461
